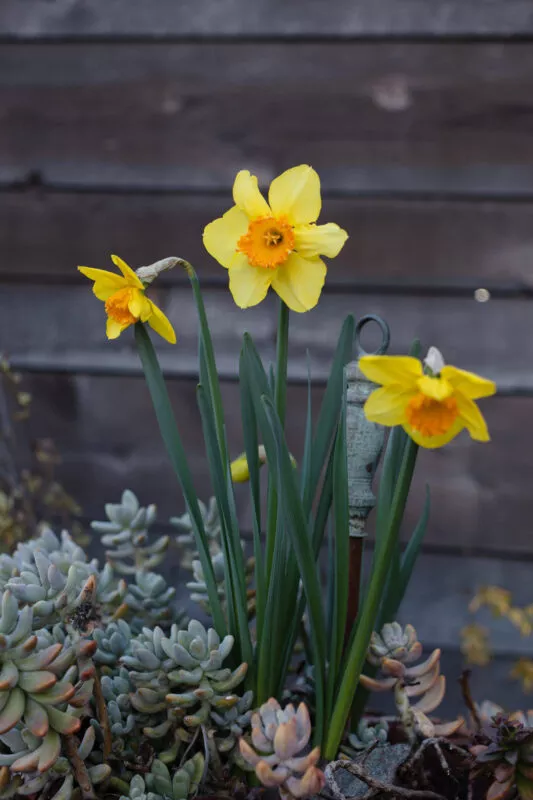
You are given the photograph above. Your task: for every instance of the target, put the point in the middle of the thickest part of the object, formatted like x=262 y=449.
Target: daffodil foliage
x=277 y=243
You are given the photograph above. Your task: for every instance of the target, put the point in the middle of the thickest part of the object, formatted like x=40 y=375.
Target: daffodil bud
x=240 y=472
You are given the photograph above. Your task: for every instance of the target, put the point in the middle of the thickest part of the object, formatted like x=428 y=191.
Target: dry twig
x=79 y=768
x=373 y=783
x=464 y=683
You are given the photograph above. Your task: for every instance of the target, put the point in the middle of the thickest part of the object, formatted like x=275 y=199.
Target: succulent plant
x=126 y=532
x=279 y=737
x=62 y=552
x=395 y=642
x=150 y=598
x=198 y=587
x=393 y=649
x=505 y=755
x=199 y=656
x=60 y=777
x=112 y=642
x=191 y=660
x=116 y=690
x=34 y=685
x=161 y=784
x=52 y=576
x=368 y=733
x=185 y=538
x=232 y=723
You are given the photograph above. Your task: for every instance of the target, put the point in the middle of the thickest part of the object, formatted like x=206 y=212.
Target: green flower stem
x=214 y=384
x=365 y=625
x=280 y=402
x=172 y=440
x=282 y=349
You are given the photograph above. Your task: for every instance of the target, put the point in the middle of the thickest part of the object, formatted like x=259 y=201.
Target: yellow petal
x=472 y=418
x=102 y=275
x=299 y=282
x=403 y=370
x=114 y=328
x=104 y=289
x=319 y=240
x=140 y=306
x=468 y=383
x=160 y=323
x=129 y=274
x=105 y=283
x=296 y=195
x=248 y=284
x=437 y=388
x=221 y=235
x=432 y=442
x=247 y=196
x=386 y=405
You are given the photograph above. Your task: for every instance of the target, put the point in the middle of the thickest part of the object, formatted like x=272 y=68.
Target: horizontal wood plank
x=262 y=18
x=381 y=117
x=459 y=245
x=63 y=328
x=108 y=437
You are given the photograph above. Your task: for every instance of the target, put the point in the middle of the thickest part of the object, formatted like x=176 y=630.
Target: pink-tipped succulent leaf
x=280 y=738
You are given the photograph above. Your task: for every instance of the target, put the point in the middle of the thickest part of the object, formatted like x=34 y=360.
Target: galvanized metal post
x=364 y=445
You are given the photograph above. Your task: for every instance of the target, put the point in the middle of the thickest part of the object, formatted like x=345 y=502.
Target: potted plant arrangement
x=107 y=690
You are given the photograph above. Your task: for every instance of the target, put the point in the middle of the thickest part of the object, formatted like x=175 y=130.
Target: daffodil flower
x=277 y=243
x=126 y=302
x=431 y=400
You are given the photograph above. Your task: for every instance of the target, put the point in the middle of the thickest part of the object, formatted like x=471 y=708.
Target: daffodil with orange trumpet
x=276 y=243
x=126 y=302
x=431 y=400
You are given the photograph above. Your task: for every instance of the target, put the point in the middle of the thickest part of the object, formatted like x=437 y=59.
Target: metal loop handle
x=385 y=335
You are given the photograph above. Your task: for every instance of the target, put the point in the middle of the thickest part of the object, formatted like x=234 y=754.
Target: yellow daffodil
x=126 y=302
x=277 y=243
x=432 y=401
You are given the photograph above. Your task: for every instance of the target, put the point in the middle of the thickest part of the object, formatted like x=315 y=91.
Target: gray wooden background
x=122 y=125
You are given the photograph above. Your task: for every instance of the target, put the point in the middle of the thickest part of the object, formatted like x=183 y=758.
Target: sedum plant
x=394 y=650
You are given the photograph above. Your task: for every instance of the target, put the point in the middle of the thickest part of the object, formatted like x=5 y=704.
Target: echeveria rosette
x=126 y=302
x=431 y=400
x=280 y=737
x=276 y=244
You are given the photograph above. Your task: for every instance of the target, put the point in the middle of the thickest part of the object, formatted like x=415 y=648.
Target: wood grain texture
x=380 y=117
x=262 y=18
x=65 y=330
x=447 y=244
x=107 y=434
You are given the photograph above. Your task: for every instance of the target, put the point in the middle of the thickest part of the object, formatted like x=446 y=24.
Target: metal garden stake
x=364 y=445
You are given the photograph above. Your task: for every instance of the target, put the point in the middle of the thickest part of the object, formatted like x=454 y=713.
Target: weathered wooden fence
x=121 y=128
